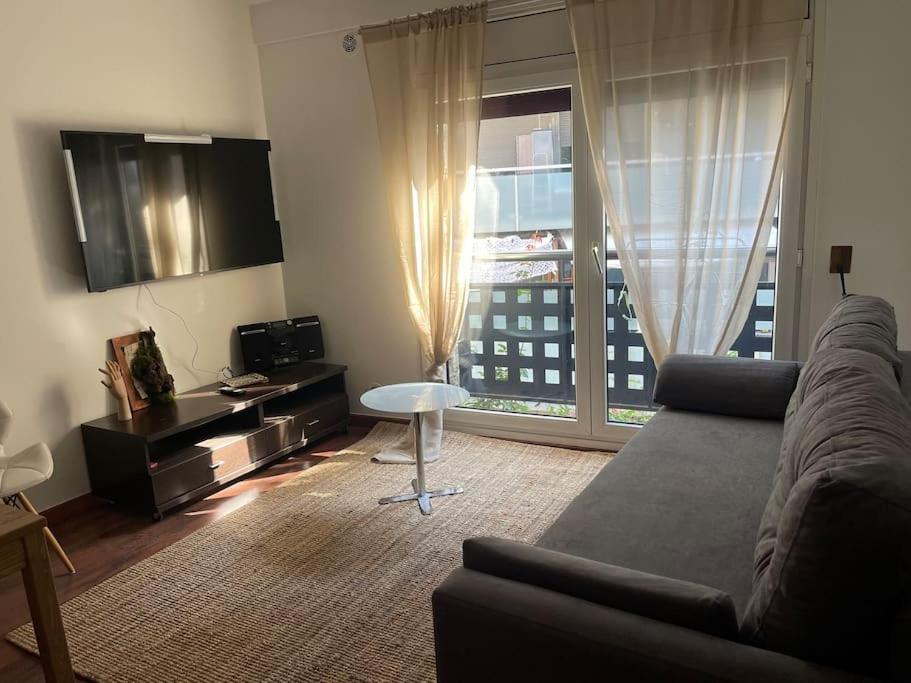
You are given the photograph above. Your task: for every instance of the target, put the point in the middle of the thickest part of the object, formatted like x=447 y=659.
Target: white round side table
x=416 y=398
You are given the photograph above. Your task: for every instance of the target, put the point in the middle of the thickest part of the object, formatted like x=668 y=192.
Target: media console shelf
x=170 y=454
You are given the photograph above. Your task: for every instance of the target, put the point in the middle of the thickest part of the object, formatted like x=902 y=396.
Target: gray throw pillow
x=833 y=560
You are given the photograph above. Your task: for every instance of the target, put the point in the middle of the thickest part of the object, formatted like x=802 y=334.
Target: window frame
x=525 y=76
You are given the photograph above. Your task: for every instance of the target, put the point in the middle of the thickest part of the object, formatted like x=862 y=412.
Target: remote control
x=232 y=391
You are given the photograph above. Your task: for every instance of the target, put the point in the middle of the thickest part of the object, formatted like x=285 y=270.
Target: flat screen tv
x=150 y=207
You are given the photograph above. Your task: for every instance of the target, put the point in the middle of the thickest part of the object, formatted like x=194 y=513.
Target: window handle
x=596 y=255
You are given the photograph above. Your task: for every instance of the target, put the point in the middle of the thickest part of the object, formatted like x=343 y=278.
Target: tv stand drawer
x=317 y=419
x=189 y=472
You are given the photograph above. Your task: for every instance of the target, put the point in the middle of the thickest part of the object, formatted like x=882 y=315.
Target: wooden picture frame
x=124 y=347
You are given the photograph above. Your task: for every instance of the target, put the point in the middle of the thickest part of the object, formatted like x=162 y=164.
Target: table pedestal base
x=421 y=494
x=422 y=497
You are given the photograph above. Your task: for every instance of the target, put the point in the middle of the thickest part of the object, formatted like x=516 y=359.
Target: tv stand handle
x=216 y=465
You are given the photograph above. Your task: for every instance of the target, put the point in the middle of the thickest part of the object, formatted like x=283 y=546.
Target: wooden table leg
x=42 y=603
x=48 y=534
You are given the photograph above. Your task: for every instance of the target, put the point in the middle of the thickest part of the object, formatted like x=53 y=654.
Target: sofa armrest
x=743 y=387
x=488 y=628
x=678 y=602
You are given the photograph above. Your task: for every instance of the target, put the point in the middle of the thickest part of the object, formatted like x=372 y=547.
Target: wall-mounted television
x=151 y=206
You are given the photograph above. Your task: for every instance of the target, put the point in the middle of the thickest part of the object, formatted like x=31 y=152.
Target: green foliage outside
x=629 y=416
x=504 y=405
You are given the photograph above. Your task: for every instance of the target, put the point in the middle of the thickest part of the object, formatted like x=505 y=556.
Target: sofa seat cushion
x=832 y=561
x=682 y=499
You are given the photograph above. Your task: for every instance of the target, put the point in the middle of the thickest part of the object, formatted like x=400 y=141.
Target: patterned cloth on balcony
x=512 y=271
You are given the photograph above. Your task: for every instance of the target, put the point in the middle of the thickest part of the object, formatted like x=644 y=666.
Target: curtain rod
x=497 y=10
x=407 y=18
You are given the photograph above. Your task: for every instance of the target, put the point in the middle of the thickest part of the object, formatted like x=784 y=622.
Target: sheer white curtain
x=686 y=104
x=425 y=73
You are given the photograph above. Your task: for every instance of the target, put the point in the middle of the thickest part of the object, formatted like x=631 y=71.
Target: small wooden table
x=22 y=548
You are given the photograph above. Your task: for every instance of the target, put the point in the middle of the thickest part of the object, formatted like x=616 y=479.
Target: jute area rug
x=314 y=581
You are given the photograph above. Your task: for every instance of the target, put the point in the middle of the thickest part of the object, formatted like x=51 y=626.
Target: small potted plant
x=148 y=368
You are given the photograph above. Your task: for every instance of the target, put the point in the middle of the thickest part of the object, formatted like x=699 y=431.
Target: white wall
x=341 y=260
x=169 y=66
x=342 y=263
x=860 y=182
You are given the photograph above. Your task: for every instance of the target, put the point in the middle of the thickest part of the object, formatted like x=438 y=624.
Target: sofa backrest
x=862 y=322
x=832 y=559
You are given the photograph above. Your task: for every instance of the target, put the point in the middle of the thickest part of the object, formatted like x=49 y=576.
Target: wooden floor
x=102 y=541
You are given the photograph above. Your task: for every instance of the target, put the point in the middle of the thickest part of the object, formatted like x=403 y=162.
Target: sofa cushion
x=866 y=323
x=784 y=476
x=745 y=387
x=832 y=560
x=682 y=499
x=690 y=605
x=905 y=357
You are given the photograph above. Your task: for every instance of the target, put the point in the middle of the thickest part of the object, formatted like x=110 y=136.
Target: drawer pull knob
x=216 y=465
x=312 y=422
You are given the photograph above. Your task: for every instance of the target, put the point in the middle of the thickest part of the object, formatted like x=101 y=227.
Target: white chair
x=22 y=471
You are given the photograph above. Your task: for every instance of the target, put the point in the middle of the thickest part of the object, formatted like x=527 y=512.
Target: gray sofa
x=654 y=571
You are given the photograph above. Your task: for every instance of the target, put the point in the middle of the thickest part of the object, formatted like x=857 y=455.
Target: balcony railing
x=517 y=339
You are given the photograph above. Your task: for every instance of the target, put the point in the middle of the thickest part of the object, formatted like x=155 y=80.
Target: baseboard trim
x=365 y=420
x=574 y=442
x=71 y=508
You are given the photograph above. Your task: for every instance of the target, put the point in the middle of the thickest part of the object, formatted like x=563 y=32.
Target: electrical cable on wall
x=224 y=372
x=841 y=274
x=840 y=264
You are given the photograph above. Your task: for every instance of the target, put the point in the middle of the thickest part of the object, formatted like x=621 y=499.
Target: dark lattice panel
x=755 y=340
x=630 y=369
x=497 y=354
x=516 y=362
x=633 y=380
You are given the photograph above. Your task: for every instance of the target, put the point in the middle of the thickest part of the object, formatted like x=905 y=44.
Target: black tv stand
x=171 y=454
